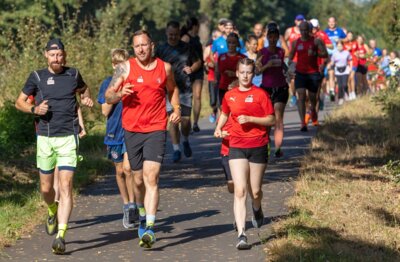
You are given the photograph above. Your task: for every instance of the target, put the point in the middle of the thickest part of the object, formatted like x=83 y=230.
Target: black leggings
x=342 y=83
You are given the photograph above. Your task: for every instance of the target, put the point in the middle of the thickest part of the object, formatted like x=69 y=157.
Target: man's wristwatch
x=33 y=109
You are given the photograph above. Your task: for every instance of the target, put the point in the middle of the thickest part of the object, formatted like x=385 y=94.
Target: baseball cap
x=300 y=17
x=314 y=22
x=54 y=44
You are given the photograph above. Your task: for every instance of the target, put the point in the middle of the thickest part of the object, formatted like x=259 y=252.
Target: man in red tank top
x=308 y=77
x=141 y=83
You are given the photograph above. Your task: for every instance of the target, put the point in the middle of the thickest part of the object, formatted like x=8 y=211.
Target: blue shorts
x=116 y=153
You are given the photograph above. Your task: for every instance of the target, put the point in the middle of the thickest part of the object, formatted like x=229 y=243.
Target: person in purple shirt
x=271 y=65
x=341 y=60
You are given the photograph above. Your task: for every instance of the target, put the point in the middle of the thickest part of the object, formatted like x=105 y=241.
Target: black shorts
x=198 y=75
x=145 y=147
x=362 y=69
x=213 y=91
x=221 y=94
x=254 y=155
x=225 y=166
x=185 y=111
x=278 y=94
x=311 y=82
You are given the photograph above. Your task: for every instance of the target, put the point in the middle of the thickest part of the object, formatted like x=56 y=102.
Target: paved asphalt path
x=194 y=222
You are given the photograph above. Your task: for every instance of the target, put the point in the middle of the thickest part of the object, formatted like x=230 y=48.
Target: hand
x=218 y=133
x=82 y=133
x=175 y=117
x=242 y=119
x=42 y=109
x=87 y=101
x=224 y=133
x=127 y=89
x=230 y=73
x=187 y=70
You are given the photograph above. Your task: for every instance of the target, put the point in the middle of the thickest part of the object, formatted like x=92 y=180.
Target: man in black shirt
x=54 y=89
x=184 y=62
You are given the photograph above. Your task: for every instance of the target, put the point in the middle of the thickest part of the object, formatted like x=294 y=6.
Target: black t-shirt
x=195 y=43
x=179 y=56
x=60 y=91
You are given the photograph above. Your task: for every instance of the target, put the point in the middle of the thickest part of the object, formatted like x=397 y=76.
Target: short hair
x=119 y=55
x=142 y=32
x=251 y=37
x=246 y=61
x=234 y=35
x=229 y=22
x=173 y=24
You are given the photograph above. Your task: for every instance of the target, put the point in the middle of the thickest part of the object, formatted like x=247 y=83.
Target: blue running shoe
x=176 y=156
x=148 y=238
x=212 y=118
x=141 y=227
x=293 y=101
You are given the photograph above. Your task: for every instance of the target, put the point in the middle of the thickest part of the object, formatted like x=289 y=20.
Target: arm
x=185 y=38
x=292 y=52
x=173 y=95
x=322 y=52
x=106 y=109
x=114 y=93
x=221 y=122
x=284 y=44
x=23 y=105
x=81 y=123
x=262 y=121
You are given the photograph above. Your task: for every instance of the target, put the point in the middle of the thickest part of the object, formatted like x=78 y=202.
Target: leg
x=151 y=172
x=138 y=186
x=185 y=129
x=66 y=197
x=301 y=103
x=56 y=185
x=197 y=86
x=128 y=179
x=46 y=187
x=121 y=182
x=278 y=131
x=256 y=175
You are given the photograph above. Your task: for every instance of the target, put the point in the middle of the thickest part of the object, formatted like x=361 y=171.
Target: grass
x=346 y=206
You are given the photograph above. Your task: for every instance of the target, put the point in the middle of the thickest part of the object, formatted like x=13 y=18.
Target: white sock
x=176 y=147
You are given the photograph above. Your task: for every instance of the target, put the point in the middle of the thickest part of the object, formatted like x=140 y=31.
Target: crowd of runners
x=159 y=89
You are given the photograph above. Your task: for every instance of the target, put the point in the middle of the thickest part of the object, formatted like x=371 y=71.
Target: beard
x=56 y=66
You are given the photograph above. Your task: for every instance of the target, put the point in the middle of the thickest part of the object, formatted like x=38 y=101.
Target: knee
x=257 y=194
x=66 y=187
x=240 y=192
x=127 y=171
x=46 y=187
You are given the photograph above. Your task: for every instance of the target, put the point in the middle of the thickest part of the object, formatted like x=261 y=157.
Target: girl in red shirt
x=361 y=52
x=250 y=111
x=227 y=65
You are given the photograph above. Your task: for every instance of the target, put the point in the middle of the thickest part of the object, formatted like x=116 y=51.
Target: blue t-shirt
x=334 y=36
x=377 y=52
x=220 y=46
x=114 y=130
x=257 y=79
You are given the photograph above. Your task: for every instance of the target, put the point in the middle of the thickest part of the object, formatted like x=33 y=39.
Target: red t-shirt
x=293 y=36
x=351 y=47
x=144 y=110
x=227 y=62
x=307 y=58
x=361 y=51
x=211 y=70
x=324 y=37
x=253 y=102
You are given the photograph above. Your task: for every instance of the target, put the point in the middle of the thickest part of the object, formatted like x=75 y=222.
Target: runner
x=308 y=49
x=373 y=66
x=250 y=111
x=351 y=45
x=54 y=89
x=145 y=81
x=251 y=53
x=291 y=35
x=185 y=63
x=220 y=45
x=341 y=61
x=281 y=41
x=227 y=66
x=258 y=33
x=190 y=35
x=116 y=149
x=361 y=52
x=211 y=76
x=271 y=64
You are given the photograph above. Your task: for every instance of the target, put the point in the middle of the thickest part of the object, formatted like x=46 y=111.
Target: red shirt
x=227 y=62
x=293 y=36
x=324 y=37
x=254 y=102
x=361 y=51
x=307 y=60
x=144 y=110
x=351 y=47
x=211 y=70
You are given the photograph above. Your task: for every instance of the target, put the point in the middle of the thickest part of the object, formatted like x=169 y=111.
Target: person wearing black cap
x=54 y=89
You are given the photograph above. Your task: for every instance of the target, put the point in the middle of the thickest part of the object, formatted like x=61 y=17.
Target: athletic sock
x=142 y=211
x=126 y=206
x=150 y=219
x=185 y=138
x=132 y=205
x=176 y=147
x=52 y=208
x=62 y=229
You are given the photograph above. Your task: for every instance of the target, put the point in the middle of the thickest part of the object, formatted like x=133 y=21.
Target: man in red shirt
x=308 y=78
x=141 y=83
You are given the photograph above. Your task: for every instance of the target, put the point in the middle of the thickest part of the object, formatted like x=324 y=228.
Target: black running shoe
x=278 y=153
x=304 y=129
x=186 y=149
x=242 y=243
x=176 y=156
x=51 y=224
x=58 y=246
x=196 y=128
x=258 y=218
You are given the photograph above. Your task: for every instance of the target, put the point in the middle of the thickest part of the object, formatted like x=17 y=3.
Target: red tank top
x=307 y=58
x=362 y=52
x=293 y=36
x=144 y=110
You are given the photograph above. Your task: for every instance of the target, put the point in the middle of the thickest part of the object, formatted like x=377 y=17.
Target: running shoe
x=186 y=149
x=340 y=101
x=258 y=218
x=278 y=153
x=304 y=128
x=332 y=95
x=176 y=156
x=142 y=227
x=51 y=224
x=307 y=118
x=196 y=128
x=242 y=243
x=134 y=216
x=212 y=118
x=58 y=246
x=321 y=104
x=148 y=238
x=314 y=118
x=293 y=101
x=126 y=218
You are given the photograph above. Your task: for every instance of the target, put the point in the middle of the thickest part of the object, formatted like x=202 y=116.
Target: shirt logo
x=140 y=79
x=249 y=99
x=232 y=98
x=50 y=81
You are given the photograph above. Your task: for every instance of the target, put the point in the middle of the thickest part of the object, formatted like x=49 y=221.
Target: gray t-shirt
x=341 y=59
